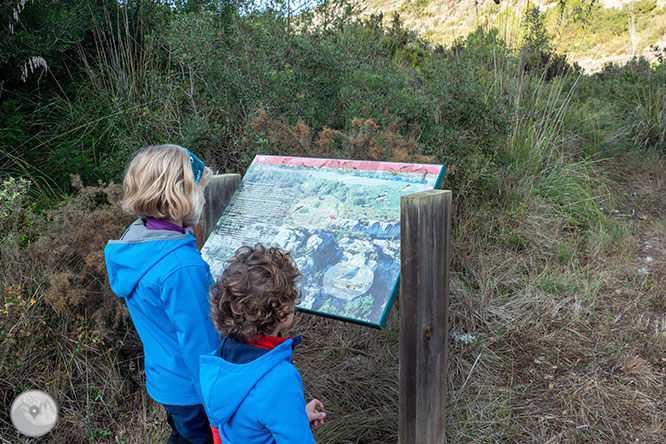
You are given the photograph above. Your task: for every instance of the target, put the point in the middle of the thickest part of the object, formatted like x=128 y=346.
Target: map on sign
x=339 y=219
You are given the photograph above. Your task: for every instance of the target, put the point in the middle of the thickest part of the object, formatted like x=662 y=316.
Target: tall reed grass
x=543 y=348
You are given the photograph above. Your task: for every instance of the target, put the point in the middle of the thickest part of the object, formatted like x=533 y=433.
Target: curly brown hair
x=256 y=293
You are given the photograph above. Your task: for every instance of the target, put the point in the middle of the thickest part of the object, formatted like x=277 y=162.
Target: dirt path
x=644 y=205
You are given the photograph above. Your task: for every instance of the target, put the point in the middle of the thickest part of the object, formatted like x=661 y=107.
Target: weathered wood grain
x=425 y=225
x=218 y=192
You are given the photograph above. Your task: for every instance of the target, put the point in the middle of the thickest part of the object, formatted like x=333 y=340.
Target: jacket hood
x=129 y=258
x=225 y=384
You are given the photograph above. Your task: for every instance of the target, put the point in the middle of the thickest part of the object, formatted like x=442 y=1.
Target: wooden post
x=425 y=225
x=218 y=192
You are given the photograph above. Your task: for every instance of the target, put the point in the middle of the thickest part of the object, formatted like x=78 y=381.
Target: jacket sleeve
x=283 y=412
x=185 y=297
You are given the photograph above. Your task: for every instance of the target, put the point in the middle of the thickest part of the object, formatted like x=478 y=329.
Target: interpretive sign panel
x=339 y=219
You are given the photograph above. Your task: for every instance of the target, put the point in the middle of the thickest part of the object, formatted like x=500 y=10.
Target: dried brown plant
x=73 y=250
x=365 y=140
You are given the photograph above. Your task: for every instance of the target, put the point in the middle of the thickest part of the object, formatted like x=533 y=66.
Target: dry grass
x=566 y=338
x=565 y=351
x=61 y=329
x=354 y=371
x=568 y=346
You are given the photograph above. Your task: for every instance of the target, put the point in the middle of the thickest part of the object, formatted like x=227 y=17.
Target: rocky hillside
x=590 y=32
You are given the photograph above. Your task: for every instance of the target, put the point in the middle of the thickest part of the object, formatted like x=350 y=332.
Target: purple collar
x=156 y=224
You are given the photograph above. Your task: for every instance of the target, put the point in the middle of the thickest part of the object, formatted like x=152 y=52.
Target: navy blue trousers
x=189 y=424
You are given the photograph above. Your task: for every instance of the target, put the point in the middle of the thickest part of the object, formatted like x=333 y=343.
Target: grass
x=543 y=344
x=559 y=351
x=558 y=180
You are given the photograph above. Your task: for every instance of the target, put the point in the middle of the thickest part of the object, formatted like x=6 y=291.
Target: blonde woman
x=156 y=267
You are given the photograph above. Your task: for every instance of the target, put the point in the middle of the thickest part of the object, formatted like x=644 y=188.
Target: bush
x=61 y=328
x=18 y=217
x=517 y=131
x=72 y=249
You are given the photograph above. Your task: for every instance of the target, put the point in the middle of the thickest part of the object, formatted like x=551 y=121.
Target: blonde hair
x=159 y=183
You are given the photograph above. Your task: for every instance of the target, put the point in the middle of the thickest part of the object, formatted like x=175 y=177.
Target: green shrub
x=18 y=217
x=519 y=132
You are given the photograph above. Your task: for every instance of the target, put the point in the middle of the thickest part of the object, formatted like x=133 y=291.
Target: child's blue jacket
x=165 y=283
x=258 y=402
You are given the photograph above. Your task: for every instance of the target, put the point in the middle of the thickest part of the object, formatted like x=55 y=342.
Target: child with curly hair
x=156 y=267
x=251 y=390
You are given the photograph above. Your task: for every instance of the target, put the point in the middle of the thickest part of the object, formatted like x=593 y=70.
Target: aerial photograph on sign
x=339 y=219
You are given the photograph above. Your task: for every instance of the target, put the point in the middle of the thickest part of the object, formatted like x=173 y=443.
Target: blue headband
x=197 y=165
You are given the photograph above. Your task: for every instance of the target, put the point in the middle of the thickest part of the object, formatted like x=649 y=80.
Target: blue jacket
x=165 y=284
x=256 y=402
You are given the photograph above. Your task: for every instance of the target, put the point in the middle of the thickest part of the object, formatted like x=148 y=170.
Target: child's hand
x=316 y=417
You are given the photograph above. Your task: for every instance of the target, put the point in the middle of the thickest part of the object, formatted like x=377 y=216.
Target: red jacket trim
x=267 y=342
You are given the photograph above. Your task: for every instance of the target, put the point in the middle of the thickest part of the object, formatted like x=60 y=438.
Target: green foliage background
x=523 y=134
